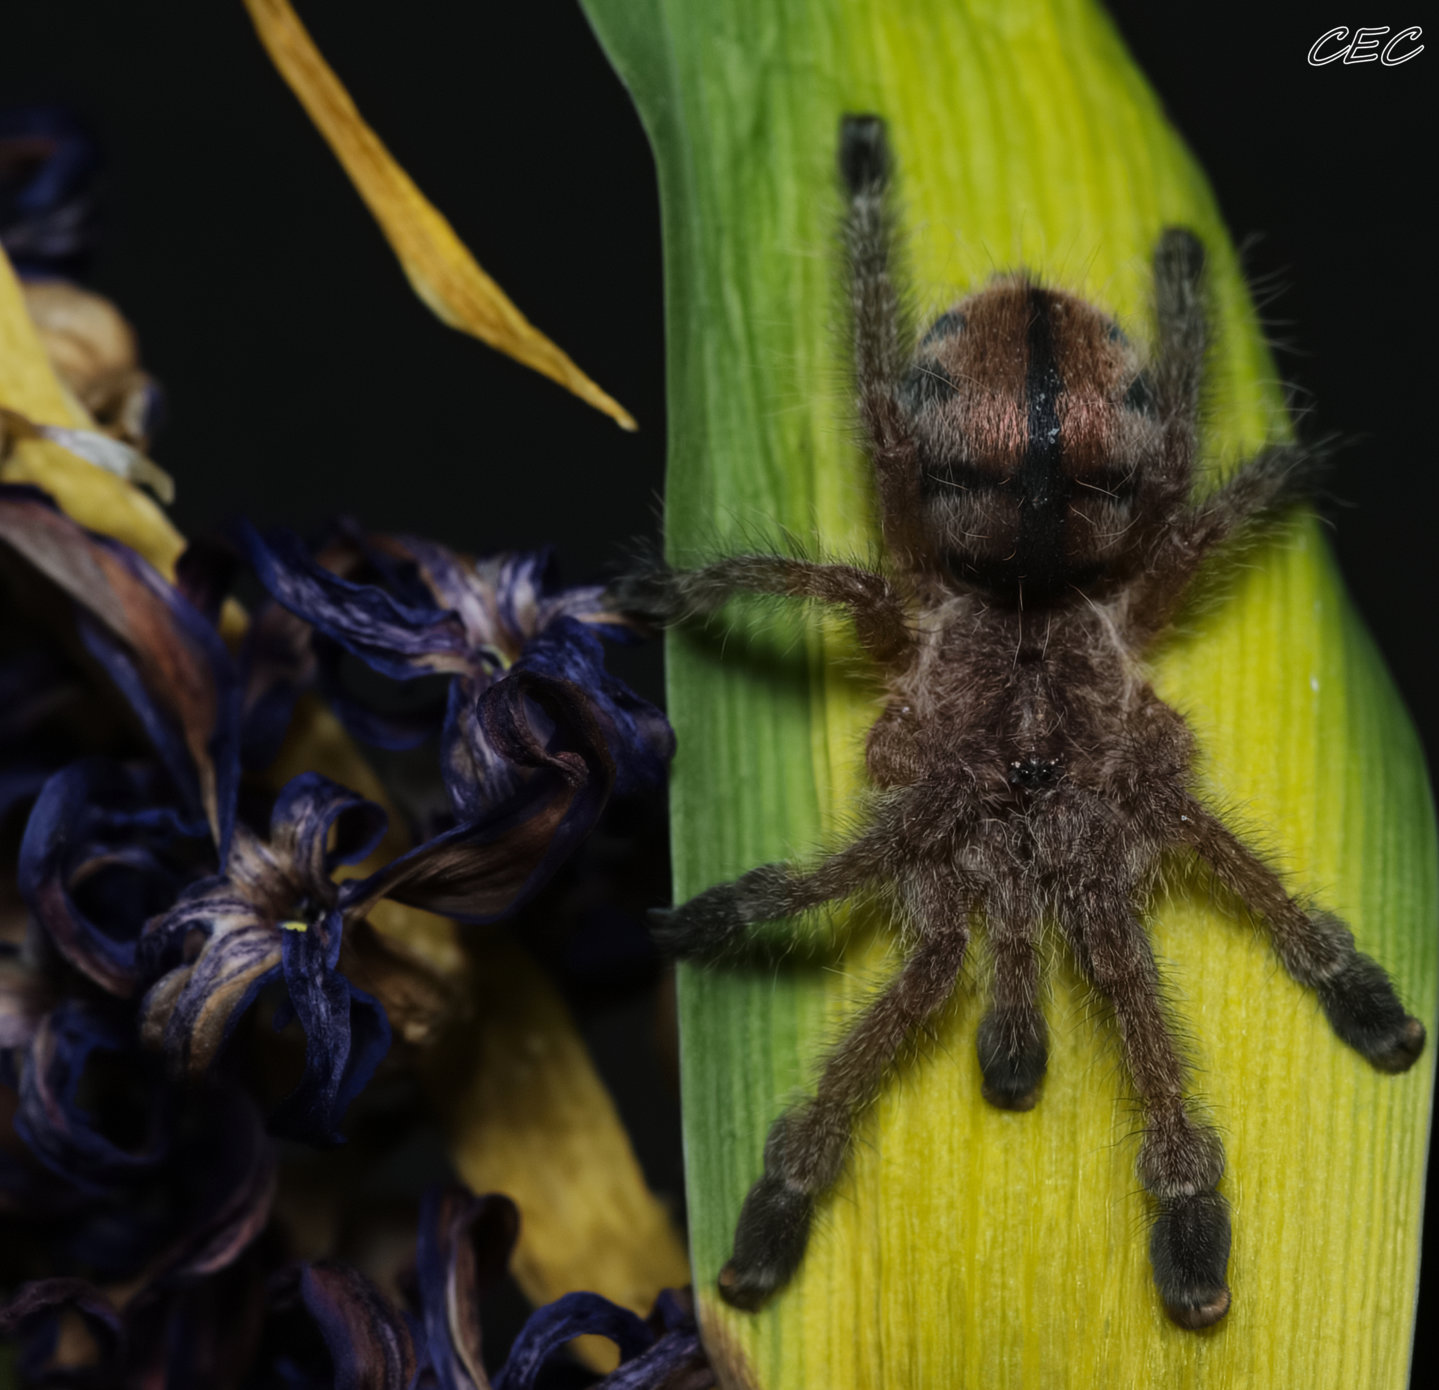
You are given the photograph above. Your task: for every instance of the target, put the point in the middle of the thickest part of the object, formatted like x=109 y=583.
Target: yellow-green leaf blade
x=966 y=1246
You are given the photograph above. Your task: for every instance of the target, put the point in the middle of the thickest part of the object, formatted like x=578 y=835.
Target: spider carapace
x=1035 y=474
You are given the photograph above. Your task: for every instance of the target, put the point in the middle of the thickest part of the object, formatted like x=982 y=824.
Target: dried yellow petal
x=437 y=263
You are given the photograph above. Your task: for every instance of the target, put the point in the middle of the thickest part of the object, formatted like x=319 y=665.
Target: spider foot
x=1189 y=1248
x=1013 y=1056
x=714 y=924
x=648 y=592
x=1365 y=1012
x=700 y=929
x=863 y=154
x=769 y=1243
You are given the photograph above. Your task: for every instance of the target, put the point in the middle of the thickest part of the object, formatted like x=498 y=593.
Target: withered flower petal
x=484 y=869
x=368 y=1341
x=34 y=1314
x=653 y=1352
x=309 y=809
x=187 y=1301
x=347 y=1033
x=95 y=833
x=274 y=917
x=574 y=1315
x=48 y=167
x=464 y=1247
x=25 y=998
x=217 y=951
x=166 y=659
x=57 y=1127
x=484 y=622
x=395 y=638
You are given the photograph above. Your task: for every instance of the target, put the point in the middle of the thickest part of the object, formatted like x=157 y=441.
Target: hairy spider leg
x=883 y=345
x=1243 y=509
x=719 y=923
x=1013 y=1039
x=1316 y=948
x=666 y=596
x=1180 y=1160
x=807 y=1146
x=1183 y=530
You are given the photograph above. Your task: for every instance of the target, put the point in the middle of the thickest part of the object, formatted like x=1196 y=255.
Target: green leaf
x=968 y=1246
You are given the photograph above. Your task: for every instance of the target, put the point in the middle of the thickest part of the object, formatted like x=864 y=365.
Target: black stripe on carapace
x=1036 y=567
x=1044 y=487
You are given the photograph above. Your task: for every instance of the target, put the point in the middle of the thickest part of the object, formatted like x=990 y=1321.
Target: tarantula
x=1034 y=475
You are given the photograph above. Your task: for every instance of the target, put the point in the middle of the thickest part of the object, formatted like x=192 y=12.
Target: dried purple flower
x=48 y=168
x=102 y=853
x=274 y=916
x=433 y=612
x=464 y=1246
x=163 y=655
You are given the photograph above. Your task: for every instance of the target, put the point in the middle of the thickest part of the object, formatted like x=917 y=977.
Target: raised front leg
x=883 y=346
x=666 y=596
x=1317 y=950
x=1182 y=327
x=807 y=1146
x=1251 y=499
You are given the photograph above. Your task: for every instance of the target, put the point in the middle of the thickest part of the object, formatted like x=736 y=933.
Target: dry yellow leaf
x=437 y=263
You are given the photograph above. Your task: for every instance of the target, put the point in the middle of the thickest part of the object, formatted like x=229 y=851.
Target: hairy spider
x=1034 y=476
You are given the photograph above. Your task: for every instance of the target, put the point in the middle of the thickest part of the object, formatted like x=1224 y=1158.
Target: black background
x=304 y=377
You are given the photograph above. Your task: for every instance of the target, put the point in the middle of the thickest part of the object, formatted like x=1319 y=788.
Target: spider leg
x=882 y=348
x=665 y=596
x=1250 y=500
x=719 y=923
x=1013 y=1038
x=1180 y=1160
x=807 y=1145
x=1257 y=493
x=1241 y=511
x=1182 y=321
x=1316 y=948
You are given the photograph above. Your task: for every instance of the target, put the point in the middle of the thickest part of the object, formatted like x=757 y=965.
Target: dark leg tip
x=1365 y=1012
x=1013 y=1055
x=661 y=921
x=1204 y=1313
x=1406 y=1048
x=1179 y=255
x=701 y=929
x=646 y=593
x=1189 y=1248
x=769 y=1243
x=1010 y=1100
x=863 y=154
x=674 y=937
x=748 y=1295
